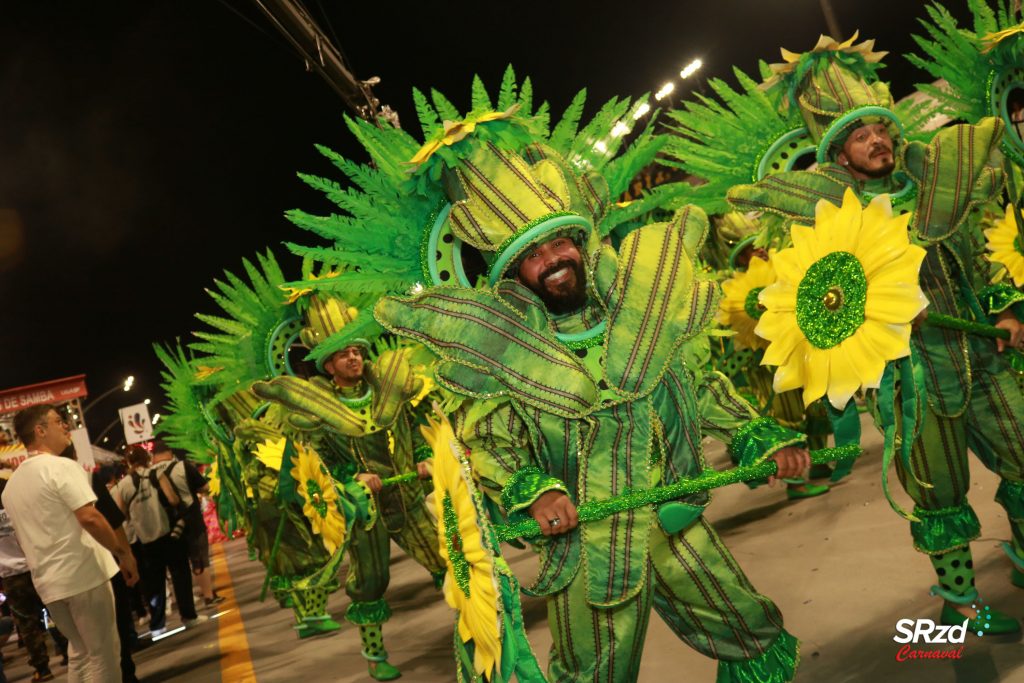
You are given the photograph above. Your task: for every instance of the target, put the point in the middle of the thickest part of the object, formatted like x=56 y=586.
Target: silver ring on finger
x=554 y=521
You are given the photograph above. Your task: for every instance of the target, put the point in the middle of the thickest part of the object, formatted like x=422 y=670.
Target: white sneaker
x=201 y=619
x=157 y=632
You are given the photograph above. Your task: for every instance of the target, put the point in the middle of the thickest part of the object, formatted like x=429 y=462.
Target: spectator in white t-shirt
x=50 y=502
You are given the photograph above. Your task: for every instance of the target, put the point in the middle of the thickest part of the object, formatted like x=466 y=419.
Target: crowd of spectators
x=73 y=553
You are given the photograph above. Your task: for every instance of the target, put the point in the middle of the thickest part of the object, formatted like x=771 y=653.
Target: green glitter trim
x=453 y=543
x=1010 y=495
x=357 y=403
x=709 y=479
x=752 y=305
x=368 y=613
x=400 y=478
x=776 y=665
x=525 y=486
x=830 y=299
x=760 y=437
x=980 y=329
x=316 y=498
x=998 y=298
x=422 y=452
x=940 y=531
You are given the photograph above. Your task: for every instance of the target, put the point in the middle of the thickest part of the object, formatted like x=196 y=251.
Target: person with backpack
x=188 y=483
x=148 y=499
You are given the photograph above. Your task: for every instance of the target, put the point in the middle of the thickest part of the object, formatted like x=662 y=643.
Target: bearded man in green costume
x=364 y=419
x=973 y=400
x=573 y=387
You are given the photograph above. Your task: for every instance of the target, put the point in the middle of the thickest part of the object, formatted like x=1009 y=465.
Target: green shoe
x=808 y=491
x=316 y=626
x=382 y=671
x=1017 y=578
x=990 y=622
x=820 y=472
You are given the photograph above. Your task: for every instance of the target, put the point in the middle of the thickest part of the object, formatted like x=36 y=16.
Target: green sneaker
x=316 y=626
x=990 y=622
x=382 y=671
x=806 y=491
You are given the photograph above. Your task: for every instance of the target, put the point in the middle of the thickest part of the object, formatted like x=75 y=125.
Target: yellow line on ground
x=235 y=662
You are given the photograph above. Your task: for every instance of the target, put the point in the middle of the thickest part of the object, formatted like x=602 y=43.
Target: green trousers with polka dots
x=992 y=426
x=699 y=591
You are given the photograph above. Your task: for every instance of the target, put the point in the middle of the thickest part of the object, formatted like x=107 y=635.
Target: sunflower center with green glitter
x=830 y=299
x=316 y=498
x=752 y=305
x=453 y=543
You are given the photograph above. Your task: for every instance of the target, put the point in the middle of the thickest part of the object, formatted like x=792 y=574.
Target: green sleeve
x=728 y=417
x=1002 y=297
x=501 y=454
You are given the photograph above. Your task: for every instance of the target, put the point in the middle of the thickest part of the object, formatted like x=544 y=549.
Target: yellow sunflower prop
x=846 y=294
x=470 y=585
x=740 y=309
x=270 y=453
x=1004 y=241
x=320 y=496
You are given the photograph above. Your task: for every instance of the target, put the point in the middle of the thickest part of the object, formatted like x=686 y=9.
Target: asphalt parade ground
x=840 y=566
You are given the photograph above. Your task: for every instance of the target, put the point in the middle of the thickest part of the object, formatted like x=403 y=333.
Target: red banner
x=55 y=391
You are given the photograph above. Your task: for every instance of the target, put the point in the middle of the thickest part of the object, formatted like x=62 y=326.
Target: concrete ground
x=840 y=566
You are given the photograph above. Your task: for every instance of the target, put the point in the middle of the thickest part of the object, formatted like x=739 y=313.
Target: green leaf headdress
x=982 y=66
x=463 y=204
x=185 y=423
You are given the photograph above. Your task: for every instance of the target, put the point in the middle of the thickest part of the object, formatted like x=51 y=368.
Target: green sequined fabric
x=777 y=665
x=830 y=299
x=940 y=531
x=526 y=486
x=1000 y=297
x=366 y=613
x=760 y=438
x=1011 y=496
x=422 y=452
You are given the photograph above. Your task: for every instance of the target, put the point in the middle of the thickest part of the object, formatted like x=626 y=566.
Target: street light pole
x=127 y=386
x=106 y=429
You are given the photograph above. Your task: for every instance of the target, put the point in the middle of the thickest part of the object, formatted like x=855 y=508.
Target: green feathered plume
x=722 y=141
x=958 y=56
x=184 y=424
x=248 y=341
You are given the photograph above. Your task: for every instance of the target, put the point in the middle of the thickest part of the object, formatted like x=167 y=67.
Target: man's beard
x=876 y=173
x=565 y=298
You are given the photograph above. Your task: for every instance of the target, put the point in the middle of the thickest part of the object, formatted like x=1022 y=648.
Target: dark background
x=147 y=146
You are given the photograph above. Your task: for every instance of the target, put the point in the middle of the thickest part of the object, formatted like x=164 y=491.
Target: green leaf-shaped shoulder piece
x=500 y=335
x=655 y=303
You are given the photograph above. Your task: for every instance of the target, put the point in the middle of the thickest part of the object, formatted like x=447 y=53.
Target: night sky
x=147 y=146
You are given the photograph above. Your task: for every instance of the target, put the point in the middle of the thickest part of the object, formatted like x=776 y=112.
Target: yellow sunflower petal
x=903 y=270
x=888 y=341
x=790 y=375
x=868 y=365
x=787 y=269
x=843 y=379
x=883 y=245
x=893 y=303
x=818 y=372
x=805 y=248
x=780 y=297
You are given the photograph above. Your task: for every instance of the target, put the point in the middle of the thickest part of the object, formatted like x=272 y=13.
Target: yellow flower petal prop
x=296 y=293
x=1004 y=242
x=825 y=43
x=320 y=495
x=739 y=308
x=991 y=40
x=213 y=480
x=470 y=585
x=454 y=131
x=271 y=452
x=845 y=296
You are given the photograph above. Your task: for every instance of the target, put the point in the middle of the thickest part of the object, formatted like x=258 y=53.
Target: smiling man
x=572 y=389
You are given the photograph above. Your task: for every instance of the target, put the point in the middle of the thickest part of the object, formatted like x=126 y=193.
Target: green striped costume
x=555 y=404
x=974 y=400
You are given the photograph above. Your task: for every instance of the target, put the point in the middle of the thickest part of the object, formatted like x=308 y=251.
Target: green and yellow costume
x=973 y=399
